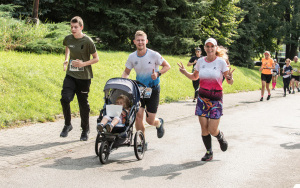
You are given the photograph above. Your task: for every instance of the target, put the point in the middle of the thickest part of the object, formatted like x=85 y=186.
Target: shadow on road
x=68 y=163
x=168 y=170
x=18 y=150
x=290 y=145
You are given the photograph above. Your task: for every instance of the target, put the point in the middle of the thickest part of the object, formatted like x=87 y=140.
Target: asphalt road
x=263 y=137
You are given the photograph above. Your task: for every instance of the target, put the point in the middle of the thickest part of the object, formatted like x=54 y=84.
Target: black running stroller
x=121 y=134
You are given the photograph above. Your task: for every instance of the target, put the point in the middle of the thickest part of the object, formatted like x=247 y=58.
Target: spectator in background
x=192 y=62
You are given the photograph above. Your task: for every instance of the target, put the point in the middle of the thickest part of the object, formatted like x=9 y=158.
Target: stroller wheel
x=104 y=152
x=139 y=145
x=97 y=144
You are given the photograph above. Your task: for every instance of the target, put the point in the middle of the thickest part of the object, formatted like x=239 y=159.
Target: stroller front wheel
x=97 y=143
x=139 y=145
x=104 y=151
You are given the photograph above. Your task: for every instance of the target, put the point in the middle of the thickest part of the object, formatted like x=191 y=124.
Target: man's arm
x=191 y=63
x=126 y=73
x=67 y=53
x=166 y=66
x=80 y=63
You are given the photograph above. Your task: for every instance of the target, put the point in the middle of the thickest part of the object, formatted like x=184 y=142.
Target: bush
x=16 y=34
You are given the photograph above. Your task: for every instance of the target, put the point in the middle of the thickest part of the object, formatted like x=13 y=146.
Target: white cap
x=211 y=40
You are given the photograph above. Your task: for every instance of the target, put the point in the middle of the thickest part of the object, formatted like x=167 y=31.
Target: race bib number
x=72 y=68
x=146 y=92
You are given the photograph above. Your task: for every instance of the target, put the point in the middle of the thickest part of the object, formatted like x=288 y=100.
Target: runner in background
x=296 y=74
x=275 y=74
x=287 y=71
x=266 y=75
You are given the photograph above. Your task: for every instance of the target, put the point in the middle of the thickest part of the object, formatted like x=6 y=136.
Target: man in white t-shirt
x=146 y=64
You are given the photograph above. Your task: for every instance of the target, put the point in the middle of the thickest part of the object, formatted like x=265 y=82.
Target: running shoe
x=66 y=130
x=290 y=92
x=84 y=135
x=208 y=156
x=293 y=92
x=261 y=99
x=284 y=95
x=298 y=89
x=269 y=96
x=160 y=130
x=223 y=143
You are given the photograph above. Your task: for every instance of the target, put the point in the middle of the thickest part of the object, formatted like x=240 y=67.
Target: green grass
x=30 y=84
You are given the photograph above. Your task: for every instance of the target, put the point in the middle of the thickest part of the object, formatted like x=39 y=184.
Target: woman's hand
x=181 y=68
x=229 y=74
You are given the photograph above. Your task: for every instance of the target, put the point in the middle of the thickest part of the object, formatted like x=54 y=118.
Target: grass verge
x=30 y=84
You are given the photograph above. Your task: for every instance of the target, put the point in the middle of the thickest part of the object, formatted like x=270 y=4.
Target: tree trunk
x=35 y=18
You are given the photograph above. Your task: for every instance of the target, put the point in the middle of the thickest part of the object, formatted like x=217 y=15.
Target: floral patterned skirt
x=209 y=108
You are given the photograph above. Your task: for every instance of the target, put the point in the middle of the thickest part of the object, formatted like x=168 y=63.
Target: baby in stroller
x=125 y=93
x=107 y=123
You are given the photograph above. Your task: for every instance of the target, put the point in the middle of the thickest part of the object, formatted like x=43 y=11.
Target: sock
x=275 y=84
x=159 y=124
x=219 y=136
x=207 y=142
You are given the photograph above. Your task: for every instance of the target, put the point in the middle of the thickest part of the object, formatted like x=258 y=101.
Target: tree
x=292 y=19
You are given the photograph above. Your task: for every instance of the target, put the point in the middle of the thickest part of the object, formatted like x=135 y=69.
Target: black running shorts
x=152 y=103
x=296 y=77
x=266 y=77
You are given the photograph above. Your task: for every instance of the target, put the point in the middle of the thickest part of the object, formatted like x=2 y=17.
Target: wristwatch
x=159 y=74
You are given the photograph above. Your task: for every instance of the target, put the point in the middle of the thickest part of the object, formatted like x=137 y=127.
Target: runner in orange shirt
x=267 y=64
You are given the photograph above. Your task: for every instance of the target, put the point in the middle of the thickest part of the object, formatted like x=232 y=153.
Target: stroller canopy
x=127 y=85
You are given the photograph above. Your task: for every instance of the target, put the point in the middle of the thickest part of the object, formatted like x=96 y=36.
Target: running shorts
x=266 y=77
x=152 y=103
x=296 y=77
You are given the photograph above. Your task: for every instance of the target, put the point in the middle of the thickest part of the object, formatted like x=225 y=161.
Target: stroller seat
x=119 y=128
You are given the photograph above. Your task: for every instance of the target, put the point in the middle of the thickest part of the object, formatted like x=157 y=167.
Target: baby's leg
x=115 y=121
x=105 y=119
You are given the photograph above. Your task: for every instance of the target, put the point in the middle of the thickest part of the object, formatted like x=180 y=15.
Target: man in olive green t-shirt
x=296 y=74
x=79 y=48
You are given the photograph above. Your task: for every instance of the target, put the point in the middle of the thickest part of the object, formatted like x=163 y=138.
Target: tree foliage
x=246 y=27
x=173 y=26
